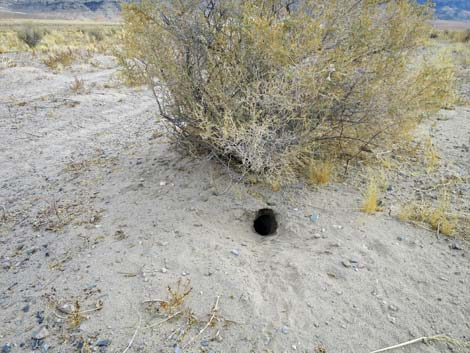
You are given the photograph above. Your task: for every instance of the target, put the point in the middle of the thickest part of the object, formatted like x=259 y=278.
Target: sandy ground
x=96 y=207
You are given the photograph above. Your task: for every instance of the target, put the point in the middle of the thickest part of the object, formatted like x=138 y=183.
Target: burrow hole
x=265 y=222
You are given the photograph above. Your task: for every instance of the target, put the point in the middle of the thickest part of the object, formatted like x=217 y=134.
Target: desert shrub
x=96 y=34
x=31 y=35
x=461 y=36
x=60 y=58
x=464 y=36
x=272 y=85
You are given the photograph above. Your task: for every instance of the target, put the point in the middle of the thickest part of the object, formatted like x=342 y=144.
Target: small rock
x=163 y=270
x=317 y=236
x=345 y=264
x=44 y=348
x=177 y=349
x=205 y=343
x=6 y=348
x=285 y=330
x=36 y=344
x=314 y=217
x=392 y=307
x=66 y=308
x=162 y=183
x=25 y=308
x=400 y=238
x=455 y=246
x=40 y=334
x=103 y=343
x=235 y=252
x=31 y=251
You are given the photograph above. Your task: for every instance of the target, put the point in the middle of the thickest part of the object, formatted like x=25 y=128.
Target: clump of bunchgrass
x=60 y=58
x=438 y=217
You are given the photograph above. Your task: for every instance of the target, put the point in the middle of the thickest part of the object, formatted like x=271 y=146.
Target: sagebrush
x=272 y=85
x=31 y=35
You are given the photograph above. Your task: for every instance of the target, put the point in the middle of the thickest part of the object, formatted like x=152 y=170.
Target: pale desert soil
x=98 y=207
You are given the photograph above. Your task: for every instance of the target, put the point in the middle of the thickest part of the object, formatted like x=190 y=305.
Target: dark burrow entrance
x=265 y=222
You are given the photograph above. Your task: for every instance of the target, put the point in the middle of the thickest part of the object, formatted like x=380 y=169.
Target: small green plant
x=31 y=35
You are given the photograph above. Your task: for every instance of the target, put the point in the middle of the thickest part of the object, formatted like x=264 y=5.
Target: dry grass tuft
x=431 y=155
x=319 y=172
x=189 y=327
x=370 y=204
x=76 y=317
x=77 y=85
x=177 y=296
x=60 y=59
x=439 y=218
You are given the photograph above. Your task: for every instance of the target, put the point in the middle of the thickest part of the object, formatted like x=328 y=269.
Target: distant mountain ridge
x=107 y=8
x=455 y=10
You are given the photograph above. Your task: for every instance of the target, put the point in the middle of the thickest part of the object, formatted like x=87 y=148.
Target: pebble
x=400 y=238
x=162 y=183
x=6 y=348
x=103 y=343
x=31 y=251
x=44 y=348
x=25 y=308
x=285 y=330
x=66 y=308
x=455 y=246
x=314 y=217
x=205 y=343
x=345 y=264
x=177 y=349
x=36 y=344
x=235 y=252
x=40 y=334
x=393 y=307
x=163 y=270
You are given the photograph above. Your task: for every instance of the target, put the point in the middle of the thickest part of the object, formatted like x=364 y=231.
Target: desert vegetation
x=274 y=86
x=295 y=180
x=51 y=35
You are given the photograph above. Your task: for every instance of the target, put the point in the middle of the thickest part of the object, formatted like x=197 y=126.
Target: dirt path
x=100 y=210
